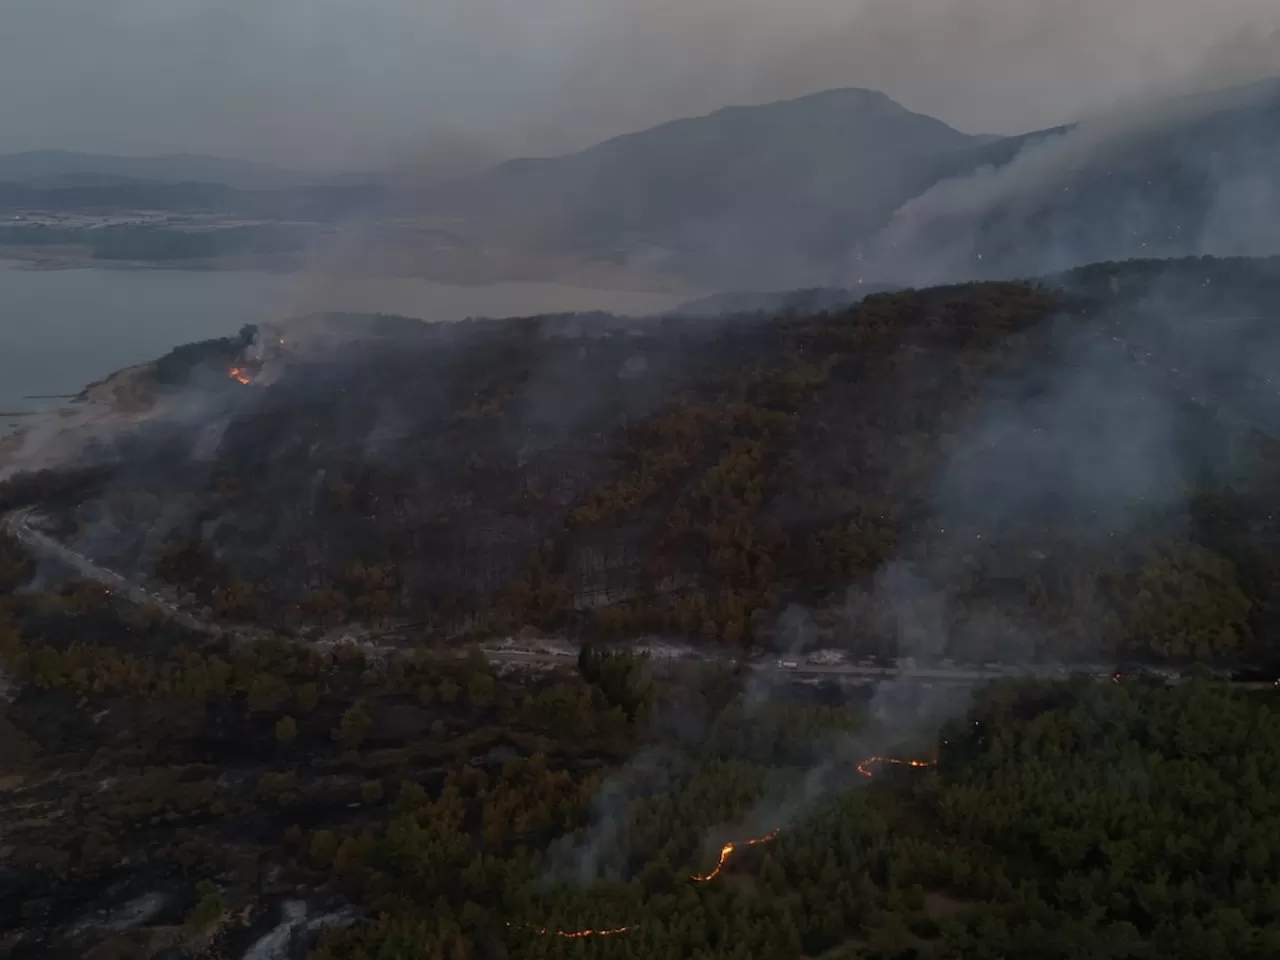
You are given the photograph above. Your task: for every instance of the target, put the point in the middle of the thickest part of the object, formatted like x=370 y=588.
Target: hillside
x=747 y=197
x=837 y=189
x=1192 y=176
x=1084 y=466
x=1039 y=466
x=847 y=185
x=164 y=795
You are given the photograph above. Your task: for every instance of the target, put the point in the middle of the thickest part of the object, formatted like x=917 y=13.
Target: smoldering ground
x=154 y=468
x=600 y=852
x=1074 y=431
x=698 y=732
x=1094 y=439
x=401 y=92
x=334 y=398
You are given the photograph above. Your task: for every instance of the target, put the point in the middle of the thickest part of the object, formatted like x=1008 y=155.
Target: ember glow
x=574 y=934
x=728 y=849
x=865 y=767
x=240 y=374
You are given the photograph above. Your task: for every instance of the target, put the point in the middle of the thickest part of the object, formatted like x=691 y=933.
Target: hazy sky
x=364 y=83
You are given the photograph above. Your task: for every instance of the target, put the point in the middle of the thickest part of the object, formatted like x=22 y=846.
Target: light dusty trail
x=21 y=525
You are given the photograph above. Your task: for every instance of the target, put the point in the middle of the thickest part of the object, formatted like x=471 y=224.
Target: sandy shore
x=54 y=436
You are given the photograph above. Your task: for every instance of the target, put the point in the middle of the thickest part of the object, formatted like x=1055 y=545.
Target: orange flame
x=865 y=766
x=573 y=934
x=728 y=849
x=240 y=374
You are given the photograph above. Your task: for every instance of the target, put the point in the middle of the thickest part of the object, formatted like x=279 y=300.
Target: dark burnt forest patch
x=131 y=775
x=1012 y=444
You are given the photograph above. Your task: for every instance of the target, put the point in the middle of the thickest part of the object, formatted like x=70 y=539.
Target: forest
x=163 y=795
x=1078 y=467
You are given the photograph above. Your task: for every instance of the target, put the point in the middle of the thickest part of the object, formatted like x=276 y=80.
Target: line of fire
x=865 y=767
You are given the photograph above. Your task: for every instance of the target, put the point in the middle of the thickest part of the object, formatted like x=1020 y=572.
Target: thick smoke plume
x=965 y=226
x=600 y=851
x=1083 y=447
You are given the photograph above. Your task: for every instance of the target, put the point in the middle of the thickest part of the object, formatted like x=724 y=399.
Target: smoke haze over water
x=450 y=85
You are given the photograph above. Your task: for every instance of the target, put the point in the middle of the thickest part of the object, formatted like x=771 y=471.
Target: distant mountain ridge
x=840 y=189
x=791 y=179
x=848 y=187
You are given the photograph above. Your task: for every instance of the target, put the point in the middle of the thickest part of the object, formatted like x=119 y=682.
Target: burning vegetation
x=867 y=766
x=573 y=934
x=864 y=767
x=363 y=750
x=727 y=850
x=726 y=464
x=502 y=508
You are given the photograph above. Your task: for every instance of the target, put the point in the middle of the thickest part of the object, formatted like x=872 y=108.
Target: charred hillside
x=1077 y=466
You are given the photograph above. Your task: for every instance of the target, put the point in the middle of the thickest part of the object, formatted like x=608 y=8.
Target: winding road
x=544 y=654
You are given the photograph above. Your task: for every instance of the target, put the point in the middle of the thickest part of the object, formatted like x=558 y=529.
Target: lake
x=63 y=329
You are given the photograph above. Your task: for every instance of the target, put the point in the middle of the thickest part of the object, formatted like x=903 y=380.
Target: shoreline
x=476 y=271
x=53 y=428
x=52 y=436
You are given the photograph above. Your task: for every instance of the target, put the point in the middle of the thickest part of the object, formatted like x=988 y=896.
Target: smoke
x=915 y=612
x=1087 y=437
x=1082 y=443
x=1085 y=446
x=88 y=429
x=439 y=87
x=130 y=518
x=600 y=851
x=903 y=712
x=413 y=94
x=391 y=426
x=1018 y=218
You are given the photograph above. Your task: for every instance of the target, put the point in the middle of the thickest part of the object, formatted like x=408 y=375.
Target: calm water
x=63 y=329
